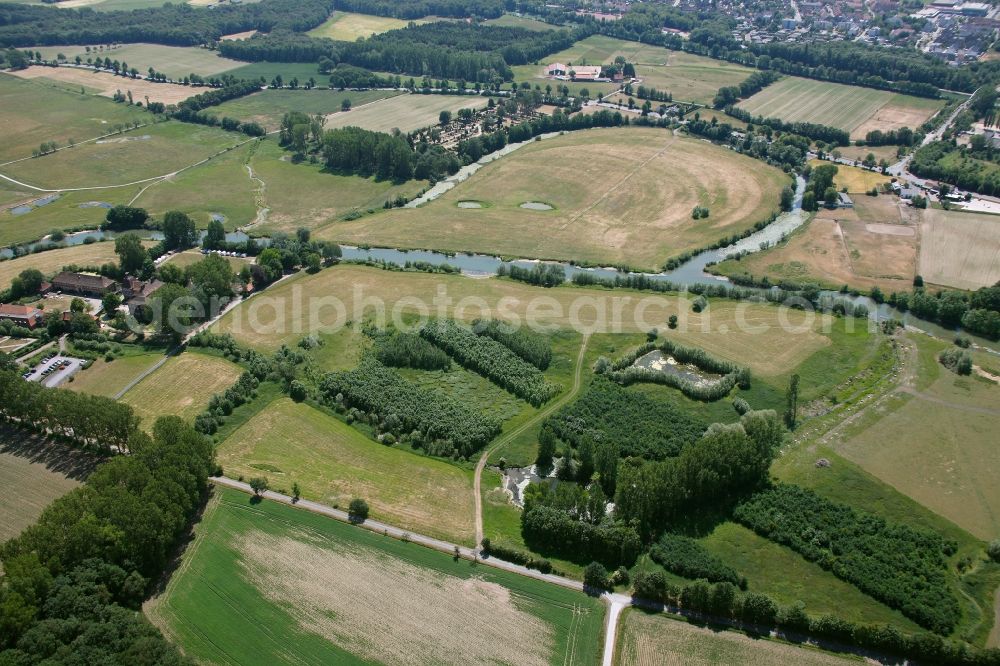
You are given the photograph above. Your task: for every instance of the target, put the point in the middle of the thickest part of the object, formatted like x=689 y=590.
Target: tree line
x=74 y=582
x=753 y=84
x=534 y=348
x=409 y=350
x=977 y=313
x=815 y=131
x=415 y=9
x=171 y=24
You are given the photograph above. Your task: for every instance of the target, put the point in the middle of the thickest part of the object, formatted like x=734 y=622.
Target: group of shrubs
x=530 y=346
x=688 y=558
x=957 y=360
x=409 y=350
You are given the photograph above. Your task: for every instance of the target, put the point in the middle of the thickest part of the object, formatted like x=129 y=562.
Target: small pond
x=657 y=360
x=469 y=204
x=536 y=205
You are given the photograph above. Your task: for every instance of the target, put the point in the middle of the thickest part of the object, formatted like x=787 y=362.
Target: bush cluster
x=688 y=558
x=532 y=347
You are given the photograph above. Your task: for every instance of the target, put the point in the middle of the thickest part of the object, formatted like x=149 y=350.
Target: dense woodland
x=415 y=9
x=177 y=24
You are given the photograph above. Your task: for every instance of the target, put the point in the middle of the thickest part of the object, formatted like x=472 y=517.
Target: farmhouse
x=137 y=292
x=22 y=315
x=555 y=69
x=585 y=73
x=85 y=284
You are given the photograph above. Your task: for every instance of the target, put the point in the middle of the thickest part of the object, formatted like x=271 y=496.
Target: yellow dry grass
x=656 y=640
x=181 y=387
x=960 y=249
x=769 y=339
x=392 y=612
x=29 y=487
x=107 y=84
x=855 y=179
x=620 y=196
x=52 y=261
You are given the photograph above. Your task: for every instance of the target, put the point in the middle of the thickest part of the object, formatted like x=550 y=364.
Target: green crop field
x=181 y=387
x=33 y=113
x=304 y=195
x=851 y=108
x=358 y=598
x=132 y=156
x=646 y=639
x=333 y=462
x=268 y=106
x=174 y=61
x=348 y=26
x=405 y=112
x=619 y=196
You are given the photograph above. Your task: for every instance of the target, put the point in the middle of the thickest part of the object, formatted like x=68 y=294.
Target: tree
x=546 y=449
x=78 y=305
x=595 y=576
x=178 y=231
x=787 y=198
x=296 y=493
x=994 y=550
x=270 y=262
x=120 y=218
x=28 y=282
x=173 y=311
x=258 y=485
x=132 y=256
x=212 y=277
x=792 y=402
x=809 y=201
x=672 y=322
x=357 y=511
x=586 y=468
x=297 y=391
x=110 y=302
x=215 y=237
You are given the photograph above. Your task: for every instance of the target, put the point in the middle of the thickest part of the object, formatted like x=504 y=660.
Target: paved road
x=509 y=437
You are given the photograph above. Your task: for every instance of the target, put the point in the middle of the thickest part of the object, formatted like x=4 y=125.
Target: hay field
x=304 y=195
x=404 y=112
x=32 y=113
x=270 y=583
x=348 y=26
x=51 y=261
x=268 y=106
x=851 y=108
x=749 y=333
x=34 y=471
x=107 y=84
x=72 y=210
x=513 y=21
x=221 y=186
x=855 y=179
x=647 y=640
x=181 y=387
x=146 y=152
x=960 y=249
x=620 y=196
x=107 y=379
x=938 y=447
x=174 y=61
x=875 y=244
x=333 y=463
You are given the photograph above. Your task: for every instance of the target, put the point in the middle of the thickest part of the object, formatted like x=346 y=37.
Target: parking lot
x=55 y=371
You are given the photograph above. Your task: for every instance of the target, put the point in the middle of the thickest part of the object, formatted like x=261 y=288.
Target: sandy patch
x=890 y=229
x=108 y=84
x=238 y=35
x=389 y=611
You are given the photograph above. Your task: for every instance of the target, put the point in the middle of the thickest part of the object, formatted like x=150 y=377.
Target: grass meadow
x=51 y=261
x=268 y=106
x=404 y=112
x=855 y=179
x=32 y=113
x=333 y=462
x=107 y=379
x=174 y=61
x=348 y=26
x=646 y=639
x=618 y=196
x=854 y=109
x=358 y=598
x=514 y=21
x=71 y=210
x=268 y=70
x=181 y=387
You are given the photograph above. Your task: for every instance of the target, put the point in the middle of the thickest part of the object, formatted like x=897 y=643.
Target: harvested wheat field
x=616 y=196
x=960 y=249
x=656 y=640
x=107 y=84
x=273 y=584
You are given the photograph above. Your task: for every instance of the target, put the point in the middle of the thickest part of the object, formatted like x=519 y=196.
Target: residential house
x=137 y=293
x=22 y=315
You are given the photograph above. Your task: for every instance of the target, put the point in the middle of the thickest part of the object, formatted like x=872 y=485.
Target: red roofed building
x=22 y=315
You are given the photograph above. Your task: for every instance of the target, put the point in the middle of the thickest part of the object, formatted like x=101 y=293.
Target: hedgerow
x=532 y=347
x=688 y=558
x=903 y=567
x=492 y=360
x=436 y=422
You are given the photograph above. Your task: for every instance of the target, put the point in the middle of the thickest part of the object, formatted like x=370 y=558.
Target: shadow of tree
x=72 y=462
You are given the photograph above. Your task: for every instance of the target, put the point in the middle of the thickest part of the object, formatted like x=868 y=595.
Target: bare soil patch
x=391 y=611
x=108 y=84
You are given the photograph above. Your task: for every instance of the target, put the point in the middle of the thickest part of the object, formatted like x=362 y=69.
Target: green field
x=646 y=639
x=139 y=154
x=268 y=106
x=107 y=379
x=405 y=112
x=268 y=70
x=174 y=61
x=690 y=78
x=33 y=113
x=333 y=462
x=269 y=583
x=620 y=196
x=348 y=27
x=71 y=210
x=181 y=387
x=851 y=108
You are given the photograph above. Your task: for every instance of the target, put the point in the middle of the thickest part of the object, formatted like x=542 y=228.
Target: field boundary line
x=509 y=437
